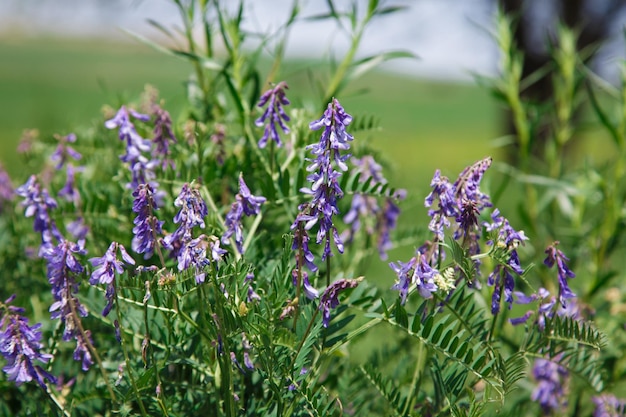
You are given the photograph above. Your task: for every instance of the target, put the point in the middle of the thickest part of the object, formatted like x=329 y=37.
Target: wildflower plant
x=250 y=284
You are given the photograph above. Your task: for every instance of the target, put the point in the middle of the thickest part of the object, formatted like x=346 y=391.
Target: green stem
x=129 y=369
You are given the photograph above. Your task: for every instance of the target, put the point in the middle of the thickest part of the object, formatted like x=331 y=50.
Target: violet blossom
x=38 y=204
x=147 y=227
x=20 y=345
x=245 y=204
x=163 y=135
x=416 y=272
x=551 y=378
x=64 y=151
x=63 y=267
x=608 y=405
x=106 y=267
x=330 y=296
x=554 y=255
x=7 y=193
x=324 y=179
x=274 y=114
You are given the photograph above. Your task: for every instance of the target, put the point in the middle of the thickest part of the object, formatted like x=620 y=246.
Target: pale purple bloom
x=20 y=345
x=309 y=290
x=443 y=193
x=6 y=188
x=78 y=229
x=387 y=221
x=416 y=272
x=163 y=135
x=135 y=144
x=38 y=203
x=245 y=204
x=247 y=346
x=554 y=255
x=192 y=212
x=69 y=190
x=467 y=184
x=64 y=151
x=608 y=405
x=547 y=308
x=142 y=169
x=147 y=227
x=330 y=296
x=324 y=178
x=550 y=377
x=106 y=267
x=252 y=295
x=274 y=114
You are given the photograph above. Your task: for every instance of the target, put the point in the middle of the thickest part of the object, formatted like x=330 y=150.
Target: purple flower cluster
x=364 y=207
x=330 y=296
x=6 y=188
x=64 y=151
x=443 y=192
x=106 y=267
x=555 y=256
x=506 y=242
x=20 y=345
x=304 y=257
x=274 y=114
x=142 y=169
x=416 y=272
x=147 y=227
x=549 y=392
x=324 y=178
x=608 y=405
x=547 y=308
x=163 y=135
x=192 y=252
x=38 y=203
x=245 y=204
x=252 y=295
x=62 y=269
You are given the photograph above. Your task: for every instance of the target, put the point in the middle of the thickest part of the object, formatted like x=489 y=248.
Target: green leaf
x=366 y=64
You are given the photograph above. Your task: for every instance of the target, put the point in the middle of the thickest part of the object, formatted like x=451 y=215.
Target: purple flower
x=324 y=179
x=330 y=297
x=106 y=267
x=64 y=151
x=142 y=169
x=38 y=203
x=415 y=272
x=20 y=345
x=443 y=192
x=6 y=188
x=274 y=114
x=252 y=295
x=467 y=184
x=556 y=256
x=245 y=203
x=387 y=221
x=309 y=290
x=218 y=138
x=147 y=226
x=135 y=144
x=163 y=135
x=69 y=190
x=550 y=378
x=608 y=405
x=78 y=229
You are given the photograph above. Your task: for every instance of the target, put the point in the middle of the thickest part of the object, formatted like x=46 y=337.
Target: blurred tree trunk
x=592 y=29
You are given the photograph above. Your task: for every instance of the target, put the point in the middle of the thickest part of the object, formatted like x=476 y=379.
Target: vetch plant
x=251 y=284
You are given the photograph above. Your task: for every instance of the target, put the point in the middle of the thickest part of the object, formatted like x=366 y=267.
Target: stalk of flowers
x=608 y=405
x=551 y=379
x=274 y=115
x=142 y=169
x=63 y=267
x=106 y=267
x=20 y=345
x=555 y=256
x=505 y=246
x=245 y=204
x=419 y=274
x=64 y=151
x=163 y=136
x=366 y=208
x=38 y=204
x=192 y=252
x=147 y=227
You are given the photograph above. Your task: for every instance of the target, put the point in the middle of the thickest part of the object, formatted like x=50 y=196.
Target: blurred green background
x=56 y=84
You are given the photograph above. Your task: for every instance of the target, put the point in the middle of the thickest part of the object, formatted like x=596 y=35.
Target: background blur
x=62 y=60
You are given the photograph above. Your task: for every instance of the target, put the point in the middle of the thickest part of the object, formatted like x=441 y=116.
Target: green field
x=54 y=85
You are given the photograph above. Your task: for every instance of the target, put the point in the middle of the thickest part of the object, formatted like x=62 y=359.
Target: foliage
x=217 y=263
